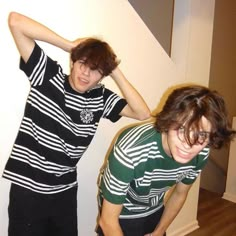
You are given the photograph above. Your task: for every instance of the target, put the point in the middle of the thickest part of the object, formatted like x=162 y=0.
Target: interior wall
x=223 y=73
x=192 y=39
x=222 y=79
x=230 y=190
x=158 y=16
x=191 y=53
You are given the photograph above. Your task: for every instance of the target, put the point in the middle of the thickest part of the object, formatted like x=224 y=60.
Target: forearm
x=27 y=28
x=109 y=219
x=111 y=228
x=137 y=105
x=172 y=208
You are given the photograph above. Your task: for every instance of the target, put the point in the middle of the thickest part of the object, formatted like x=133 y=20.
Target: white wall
x=191 y=52
x=143 y=61
x=192 y=38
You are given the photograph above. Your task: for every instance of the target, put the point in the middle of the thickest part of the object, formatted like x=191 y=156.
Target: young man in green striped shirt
x=148 y=159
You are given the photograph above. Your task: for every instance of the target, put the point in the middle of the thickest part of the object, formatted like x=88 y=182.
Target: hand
x=77 y=41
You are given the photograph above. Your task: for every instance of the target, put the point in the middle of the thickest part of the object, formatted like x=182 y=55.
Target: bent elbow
x=12 y=19
x=145 y=115
x=15 y=20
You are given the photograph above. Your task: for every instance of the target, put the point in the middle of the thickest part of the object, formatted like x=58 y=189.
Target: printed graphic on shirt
x=86 y=116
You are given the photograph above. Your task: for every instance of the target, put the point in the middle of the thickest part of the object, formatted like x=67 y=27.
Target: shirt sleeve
x=200 y=162
x=117 y=176
x=113 y=105
x=39 y=66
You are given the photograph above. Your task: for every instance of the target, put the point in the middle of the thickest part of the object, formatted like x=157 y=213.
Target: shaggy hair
x=187 y=105
x=95 y=54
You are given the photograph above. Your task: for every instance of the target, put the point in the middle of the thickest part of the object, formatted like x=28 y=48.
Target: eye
x=81 y=61
x=180 y=133
x=203 y=136
x=81 y=64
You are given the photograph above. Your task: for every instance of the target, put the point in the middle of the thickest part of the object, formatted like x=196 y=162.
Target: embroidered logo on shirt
x=86 y=116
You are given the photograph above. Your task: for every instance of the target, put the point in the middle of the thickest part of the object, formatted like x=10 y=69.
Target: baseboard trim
x=185 y=229
x=229 y=197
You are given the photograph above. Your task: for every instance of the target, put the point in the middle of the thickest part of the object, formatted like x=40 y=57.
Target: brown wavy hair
x=187 y=105
x=96 y=54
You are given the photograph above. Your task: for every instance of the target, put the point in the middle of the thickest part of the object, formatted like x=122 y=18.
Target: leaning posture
x=148 y=159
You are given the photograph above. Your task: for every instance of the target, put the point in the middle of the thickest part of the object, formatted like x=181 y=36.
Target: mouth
x=183 y=154
x=83 y=81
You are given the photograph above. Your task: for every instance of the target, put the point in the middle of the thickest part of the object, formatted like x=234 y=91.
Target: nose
x=86 y=71
x=185 y=144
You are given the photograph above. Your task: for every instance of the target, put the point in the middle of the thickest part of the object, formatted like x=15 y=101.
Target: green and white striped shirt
x=139 y=172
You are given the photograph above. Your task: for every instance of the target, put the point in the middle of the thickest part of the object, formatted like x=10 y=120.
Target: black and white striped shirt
x=57 y=127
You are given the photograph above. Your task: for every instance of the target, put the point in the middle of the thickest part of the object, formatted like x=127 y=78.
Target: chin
x=80 y=90
x=182 y=160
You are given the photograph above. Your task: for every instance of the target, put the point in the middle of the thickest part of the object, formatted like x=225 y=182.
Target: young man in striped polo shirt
x=148 y=159
x=61 y=117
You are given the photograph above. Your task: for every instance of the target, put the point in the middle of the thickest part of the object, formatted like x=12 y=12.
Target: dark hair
x=96 y=54
x=187 y=105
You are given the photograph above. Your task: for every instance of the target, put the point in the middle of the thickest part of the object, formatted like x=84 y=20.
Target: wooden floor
x=216 y=216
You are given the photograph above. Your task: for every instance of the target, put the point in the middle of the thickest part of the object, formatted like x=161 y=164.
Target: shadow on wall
x=158 y=17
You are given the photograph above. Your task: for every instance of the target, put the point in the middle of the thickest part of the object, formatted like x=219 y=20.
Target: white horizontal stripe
x=35 y=186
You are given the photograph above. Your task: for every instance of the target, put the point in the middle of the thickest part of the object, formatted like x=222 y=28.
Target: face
x=82 y=78
x=176 y=146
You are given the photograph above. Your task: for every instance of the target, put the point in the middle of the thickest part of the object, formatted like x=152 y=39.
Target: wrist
x=116 y=74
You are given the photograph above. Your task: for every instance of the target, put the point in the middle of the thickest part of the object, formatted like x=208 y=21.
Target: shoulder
x=204 y=154
x=38 y=61
x=133 y=135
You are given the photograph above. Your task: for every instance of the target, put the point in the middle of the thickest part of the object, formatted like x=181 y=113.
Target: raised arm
x=172 y=208
x=136 y=107
x=26 y=30
x=109 y=220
